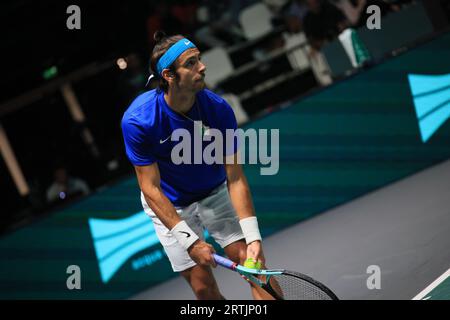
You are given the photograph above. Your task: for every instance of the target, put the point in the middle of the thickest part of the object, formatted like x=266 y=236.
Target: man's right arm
x=149 y=182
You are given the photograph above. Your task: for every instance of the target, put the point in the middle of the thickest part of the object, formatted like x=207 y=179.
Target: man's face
x=191 y=71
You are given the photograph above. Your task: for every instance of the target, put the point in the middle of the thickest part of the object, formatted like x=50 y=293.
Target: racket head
x=297 y=286
x=287 y=285
x=281 y=284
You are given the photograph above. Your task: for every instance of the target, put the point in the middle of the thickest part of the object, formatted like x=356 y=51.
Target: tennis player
x=183 y=199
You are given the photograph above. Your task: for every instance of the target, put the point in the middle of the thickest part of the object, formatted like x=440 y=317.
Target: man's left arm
x=242 y=202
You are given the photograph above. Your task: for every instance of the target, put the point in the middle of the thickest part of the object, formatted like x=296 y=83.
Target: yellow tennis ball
x=252 y=264
x=249 y=263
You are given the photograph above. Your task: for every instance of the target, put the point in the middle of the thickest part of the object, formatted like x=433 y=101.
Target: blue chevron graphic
x=115 y=241
x=431 y=95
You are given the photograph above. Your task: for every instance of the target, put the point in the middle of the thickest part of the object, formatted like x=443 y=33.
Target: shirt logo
x=187 y=233
x=162 y=141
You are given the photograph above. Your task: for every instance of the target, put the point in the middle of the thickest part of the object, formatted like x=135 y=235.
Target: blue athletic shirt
x=147 y=124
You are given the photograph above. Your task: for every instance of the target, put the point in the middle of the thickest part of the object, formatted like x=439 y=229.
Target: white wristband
x=184 y=235
x=250 y=229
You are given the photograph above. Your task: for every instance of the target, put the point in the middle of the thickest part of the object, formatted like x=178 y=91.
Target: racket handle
x=224 y=262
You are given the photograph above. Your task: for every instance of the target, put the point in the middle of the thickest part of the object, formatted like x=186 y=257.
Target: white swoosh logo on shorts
x=162 y=141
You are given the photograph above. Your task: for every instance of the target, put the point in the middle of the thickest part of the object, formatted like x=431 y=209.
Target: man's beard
x=195 y=87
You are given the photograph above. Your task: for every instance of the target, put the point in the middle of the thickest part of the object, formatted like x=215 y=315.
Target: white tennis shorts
x=214 y=213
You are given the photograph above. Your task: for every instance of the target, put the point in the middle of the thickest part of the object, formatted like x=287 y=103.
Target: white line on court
x=432 y=286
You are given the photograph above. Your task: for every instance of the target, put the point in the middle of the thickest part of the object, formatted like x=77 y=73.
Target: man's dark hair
x=163 y=43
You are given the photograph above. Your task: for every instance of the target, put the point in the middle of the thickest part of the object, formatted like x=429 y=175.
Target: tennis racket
x=281 y=284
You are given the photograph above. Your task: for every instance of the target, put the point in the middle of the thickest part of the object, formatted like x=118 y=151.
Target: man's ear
x=167 y=74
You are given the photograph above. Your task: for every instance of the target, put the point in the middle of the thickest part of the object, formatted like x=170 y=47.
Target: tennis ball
x=252 y=264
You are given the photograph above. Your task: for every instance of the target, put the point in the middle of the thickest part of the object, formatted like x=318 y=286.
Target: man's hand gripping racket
x=281 y=284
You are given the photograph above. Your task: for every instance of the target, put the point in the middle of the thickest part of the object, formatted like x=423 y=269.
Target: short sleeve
x=137 y=144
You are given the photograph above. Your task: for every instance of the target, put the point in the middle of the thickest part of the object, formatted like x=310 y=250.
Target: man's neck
x=180 y=102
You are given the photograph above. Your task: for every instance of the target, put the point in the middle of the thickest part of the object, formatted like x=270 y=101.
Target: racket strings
x=291 y=287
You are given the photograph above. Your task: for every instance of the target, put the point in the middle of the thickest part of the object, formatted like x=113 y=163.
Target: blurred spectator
x=323 y=22
x=185 y=12
x=220 y=22
x=175 y=17
x=64 y=186
x=161 y=18
x=278 y=9
x=294 y=15
x=351 y=9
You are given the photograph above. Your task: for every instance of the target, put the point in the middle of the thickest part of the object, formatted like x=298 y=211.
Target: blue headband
x=173 y=53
